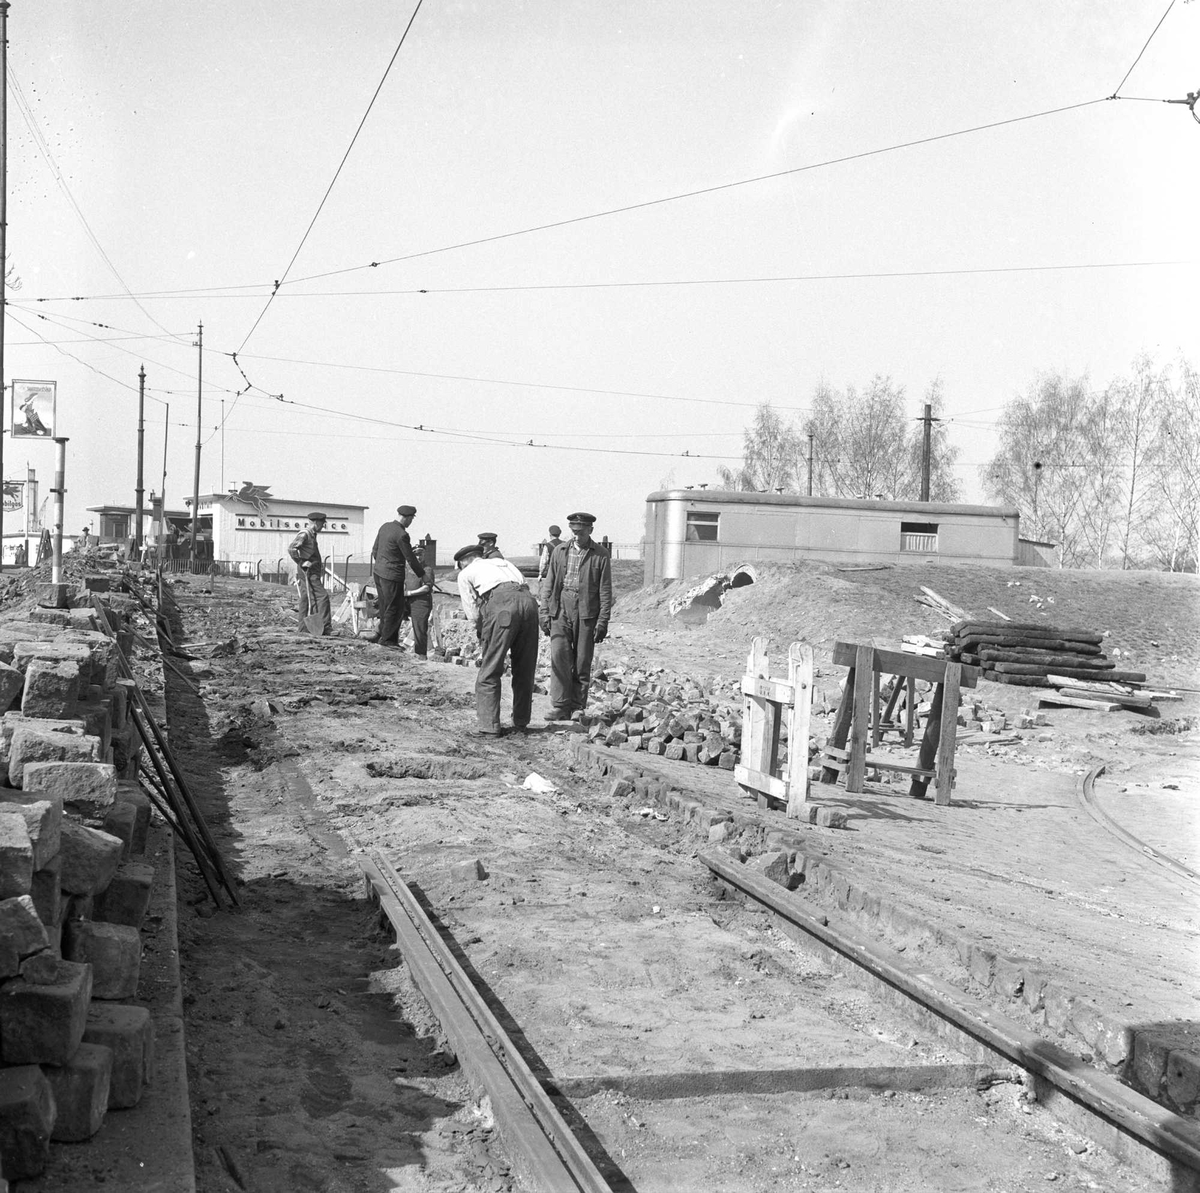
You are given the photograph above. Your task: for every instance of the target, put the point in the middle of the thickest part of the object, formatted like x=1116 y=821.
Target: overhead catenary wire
x=1115 y=94
x=336 y=174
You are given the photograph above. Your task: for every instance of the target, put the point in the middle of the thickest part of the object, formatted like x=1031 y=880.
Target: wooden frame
x=858 y=717
x=767 y=706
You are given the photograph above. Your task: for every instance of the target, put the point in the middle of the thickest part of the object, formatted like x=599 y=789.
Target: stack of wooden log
x=1028 y=654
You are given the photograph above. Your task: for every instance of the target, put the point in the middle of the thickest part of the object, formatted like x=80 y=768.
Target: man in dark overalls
x=420 y=604
x=576 y=601
x=497 y=601
x=306 y=555
x=391 y=552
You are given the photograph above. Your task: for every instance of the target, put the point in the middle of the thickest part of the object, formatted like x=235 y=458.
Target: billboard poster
x=33 y=409
x=14 y=496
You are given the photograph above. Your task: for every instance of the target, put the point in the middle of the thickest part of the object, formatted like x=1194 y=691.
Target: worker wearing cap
x=487 y=546
x=420 y=604
x=310 y=568
x=576 y=601
x=391 y=552
x=546 y=549
x=497 y=601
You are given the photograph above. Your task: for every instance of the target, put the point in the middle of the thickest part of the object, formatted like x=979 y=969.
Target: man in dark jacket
x=310 y=574
x=576 y=601
x=420 y=604
x=391 y=552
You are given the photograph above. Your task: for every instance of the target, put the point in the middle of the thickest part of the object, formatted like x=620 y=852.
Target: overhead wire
x=1115 y=94
x=336 y=174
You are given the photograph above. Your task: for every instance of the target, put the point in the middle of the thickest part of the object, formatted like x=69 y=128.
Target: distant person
x=21 y=555
x=420 y=605
x=546 y=549
x=303 y=550
x=391 y=552
x=575 y=607
x=487 y=546
x=497 y=601
x=84 y=539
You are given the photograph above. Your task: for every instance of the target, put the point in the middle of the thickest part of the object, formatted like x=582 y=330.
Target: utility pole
x=3 y=233
x=138 y=510
x=926 y=451
x=810 y=462
x=199 y=415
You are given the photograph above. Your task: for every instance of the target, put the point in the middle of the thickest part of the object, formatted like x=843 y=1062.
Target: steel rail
x=542 y=1143
x=1170 y=1135
x=1087 y=797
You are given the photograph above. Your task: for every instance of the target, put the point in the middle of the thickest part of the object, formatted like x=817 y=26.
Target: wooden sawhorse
x=857 y=716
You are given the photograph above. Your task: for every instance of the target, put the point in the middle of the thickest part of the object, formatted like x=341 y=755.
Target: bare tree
x=1173 y=530
x=770 y=456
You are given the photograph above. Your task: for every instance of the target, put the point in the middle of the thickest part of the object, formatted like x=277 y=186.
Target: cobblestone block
x=773 y=866
x=21 y=927
x=43 y=823
x=27 y=1115
x=81 y=1090
x=51 y=688
x=43 y=1024
x=29 y=746
x=830 y=817
x=114 y=952
x=1008 y=977
x=1115 y=1044
x=1034 y=992
x=53 y=650
x=1087 y=1022
x=471 y=870
x=96 y=716
x=16 y=853
x=46 y=891
x=88 y=788
x=1183 y=1078
x=120 y=706
x=121 y=822
x=126 y=899
x=11 y=683
x=129 y=1032
x=981 y=964
x=90 y=858
x=1058 y=1006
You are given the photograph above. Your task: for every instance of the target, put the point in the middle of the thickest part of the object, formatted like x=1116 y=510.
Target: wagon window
x=918 y=536
x=702 y=527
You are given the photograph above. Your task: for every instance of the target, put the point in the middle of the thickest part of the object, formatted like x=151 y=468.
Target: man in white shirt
x=497 y=601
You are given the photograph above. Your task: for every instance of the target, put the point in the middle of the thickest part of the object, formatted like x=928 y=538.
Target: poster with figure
x=33 y=409
x=14 y=496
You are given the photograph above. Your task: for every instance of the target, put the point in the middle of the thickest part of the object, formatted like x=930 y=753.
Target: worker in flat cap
x=497 y=601
x=546 y=549
x=304 y=552
x=419 y=595
x=576 y=601
x=391 y=552
x=487 y=546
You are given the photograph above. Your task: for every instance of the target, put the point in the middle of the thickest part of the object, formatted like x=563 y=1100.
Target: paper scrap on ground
x=535 y=782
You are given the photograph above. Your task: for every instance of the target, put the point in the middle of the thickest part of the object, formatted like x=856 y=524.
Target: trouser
x=509 y=627
x=390 y=602
x=419 y=610
x=320 y=602
x=572 y=644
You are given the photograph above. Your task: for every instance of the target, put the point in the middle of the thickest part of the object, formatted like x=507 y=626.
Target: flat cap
x=406 y=511
x=586 y=519
x=556 y=530
x=317 y=516
x=467 y=551
x=487 y=534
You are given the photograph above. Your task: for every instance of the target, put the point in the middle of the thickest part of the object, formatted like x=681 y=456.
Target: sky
x=575 y=244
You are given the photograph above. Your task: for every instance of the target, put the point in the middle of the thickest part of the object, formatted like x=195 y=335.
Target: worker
x=487 y=546
x=420 y=604
x=497 y=601
x=546 y=549
x=389 y=555
x=310 y=577
x=576 y=602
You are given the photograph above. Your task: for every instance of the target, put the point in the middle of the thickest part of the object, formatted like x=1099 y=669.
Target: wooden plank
x=953 y=610
x=768 y=689
x=756 y=780
x=879 y=764
x=949 y=732
x=910 y=709
x=754 y=713
x=860 y=721
x=1002 y=616
x=840 y=730
x=800 y=673
x=875 y=731
x=895 y=662
x=1077 y=702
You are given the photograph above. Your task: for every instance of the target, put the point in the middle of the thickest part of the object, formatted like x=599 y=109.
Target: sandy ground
x=315 y=1066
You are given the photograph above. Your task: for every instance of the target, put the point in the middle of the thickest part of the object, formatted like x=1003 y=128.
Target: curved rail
x=1087 y=797
x=1170 y=1135
x=542 y=1143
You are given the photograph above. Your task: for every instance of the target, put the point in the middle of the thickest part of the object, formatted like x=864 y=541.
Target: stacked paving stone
x=1024 y=654
x=680 y=719
x=73 y=821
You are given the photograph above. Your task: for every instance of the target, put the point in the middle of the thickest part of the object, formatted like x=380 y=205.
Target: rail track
x=553 y=1148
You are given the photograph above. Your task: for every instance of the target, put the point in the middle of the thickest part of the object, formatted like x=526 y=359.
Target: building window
x=919 y=536
x=702 y=527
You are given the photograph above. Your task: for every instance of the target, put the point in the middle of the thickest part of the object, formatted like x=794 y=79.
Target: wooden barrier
x=768 y=706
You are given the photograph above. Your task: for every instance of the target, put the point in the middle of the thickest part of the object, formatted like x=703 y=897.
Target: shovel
x=314 y=623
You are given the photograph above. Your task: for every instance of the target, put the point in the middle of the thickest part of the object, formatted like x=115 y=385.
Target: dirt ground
x=315 y=1066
